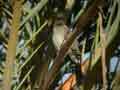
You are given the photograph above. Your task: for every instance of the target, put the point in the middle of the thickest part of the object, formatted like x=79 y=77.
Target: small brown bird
x=60 y=33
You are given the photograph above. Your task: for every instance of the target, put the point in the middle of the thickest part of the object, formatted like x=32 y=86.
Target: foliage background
x=26 y=31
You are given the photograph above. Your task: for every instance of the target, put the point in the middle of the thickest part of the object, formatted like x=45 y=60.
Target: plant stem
x=12 y=42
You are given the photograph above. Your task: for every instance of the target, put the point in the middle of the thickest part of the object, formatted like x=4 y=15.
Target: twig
x=103 y=52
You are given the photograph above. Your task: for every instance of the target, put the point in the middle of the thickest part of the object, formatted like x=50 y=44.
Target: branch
x=12 y=42
x=103 y=52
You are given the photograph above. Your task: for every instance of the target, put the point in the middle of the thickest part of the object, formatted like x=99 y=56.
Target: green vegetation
x=42 y=41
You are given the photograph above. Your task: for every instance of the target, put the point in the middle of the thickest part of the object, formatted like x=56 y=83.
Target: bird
x=61 y=33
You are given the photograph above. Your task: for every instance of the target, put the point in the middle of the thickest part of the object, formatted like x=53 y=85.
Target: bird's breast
x=58 y=36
